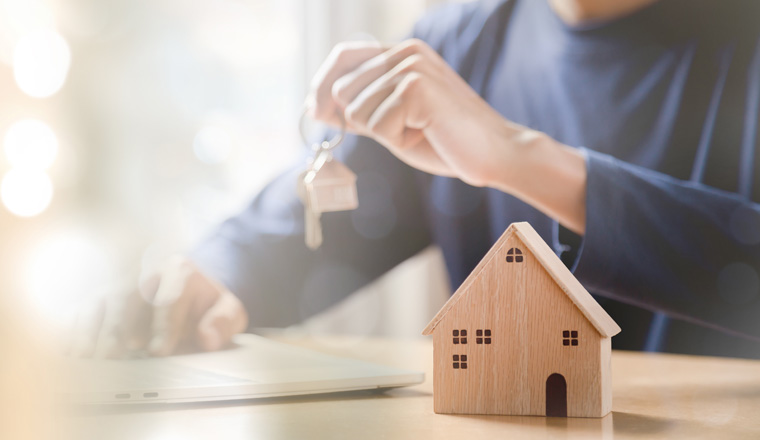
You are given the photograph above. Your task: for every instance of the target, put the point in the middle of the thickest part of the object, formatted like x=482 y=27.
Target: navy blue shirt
x=664 y=103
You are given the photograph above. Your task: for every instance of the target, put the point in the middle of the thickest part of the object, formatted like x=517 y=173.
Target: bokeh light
x=66 y=270
x=26 y=193
x=41 y=61
x=30 y=144
x=18 y=18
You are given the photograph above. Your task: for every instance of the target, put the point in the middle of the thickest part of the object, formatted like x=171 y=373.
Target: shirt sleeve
x=664 y=244
x=260 y=253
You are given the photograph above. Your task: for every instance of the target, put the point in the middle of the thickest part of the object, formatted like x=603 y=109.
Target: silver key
x=312 y=223
x=326 y=185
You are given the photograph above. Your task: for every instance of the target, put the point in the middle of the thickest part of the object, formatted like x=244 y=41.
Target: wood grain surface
x=655 y=396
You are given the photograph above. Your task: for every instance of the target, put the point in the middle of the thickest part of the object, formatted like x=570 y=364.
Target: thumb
x=223 y=320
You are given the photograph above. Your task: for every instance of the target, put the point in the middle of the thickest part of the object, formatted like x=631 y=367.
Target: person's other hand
x=178 y=310
x=407 y=98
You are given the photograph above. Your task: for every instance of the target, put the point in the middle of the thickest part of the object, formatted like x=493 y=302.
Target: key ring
x=324 y=145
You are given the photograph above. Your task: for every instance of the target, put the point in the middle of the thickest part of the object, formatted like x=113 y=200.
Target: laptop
x=255 y=367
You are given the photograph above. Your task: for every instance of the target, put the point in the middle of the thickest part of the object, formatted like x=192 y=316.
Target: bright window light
x=41 y=61
x=26 y=193
x=30 y=144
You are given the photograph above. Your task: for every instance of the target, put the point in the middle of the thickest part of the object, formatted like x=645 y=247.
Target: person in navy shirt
x=625 y=132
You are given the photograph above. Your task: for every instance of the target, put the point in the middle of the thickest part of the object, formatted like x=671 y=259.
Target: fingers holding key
x=412 y=102
x=361 y=76
x=343 y=59
x=346 y=88
x=396 y=89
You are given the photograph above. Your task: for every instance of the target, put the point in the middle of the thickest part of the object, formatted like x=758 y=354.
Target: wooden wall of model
x=514 y=342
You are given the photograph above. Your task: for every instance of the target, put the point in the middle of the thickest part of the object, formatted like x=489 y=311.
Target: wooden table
x=655 y=396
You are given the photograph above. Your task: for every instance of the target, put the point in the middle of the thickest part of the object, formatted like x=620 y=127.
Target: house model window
x=460 y=361
x=479 y=336
x=514 y=255
x=570 y=337
x=460 y=336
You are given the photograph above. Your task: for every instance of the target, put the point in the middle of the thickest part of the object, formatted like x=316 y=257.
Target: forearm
x=649 y=239
x=670 y=245
x=545 y=174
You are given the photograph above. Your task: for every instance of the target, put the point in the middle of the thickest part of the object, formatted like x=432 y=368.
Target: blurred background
x=129 y=128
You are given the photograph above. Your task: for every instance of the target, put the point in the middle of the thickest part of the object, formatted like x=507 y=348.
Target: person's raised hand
x=408 y=99
x=178 y=310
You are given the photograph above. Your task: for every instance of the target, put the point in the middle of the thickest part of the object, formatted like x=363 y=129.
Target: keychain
x=326 y=185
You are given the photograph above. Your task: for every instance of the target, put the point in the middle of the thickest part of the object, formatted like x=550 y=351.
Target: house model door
x=556 y=396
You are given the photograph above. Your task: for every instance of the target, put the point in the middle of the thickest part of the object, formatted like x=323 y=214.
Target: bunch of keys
x=326 y=185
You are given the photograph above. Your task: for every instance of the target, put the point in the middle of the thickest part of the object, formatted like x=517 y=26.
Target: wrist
x=520 y=151
x=546 y=174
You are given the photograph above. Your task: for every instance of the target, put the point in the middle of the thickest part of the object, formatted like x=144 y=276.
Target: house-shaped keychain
x=521 y=336
x=332 y=187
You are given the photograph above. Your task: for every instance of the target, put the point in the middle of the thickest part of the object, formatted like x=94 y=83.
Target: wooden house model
x=521 y=336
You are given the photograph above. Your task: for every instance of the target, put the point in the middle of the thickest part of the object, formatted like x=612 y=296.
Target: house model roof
x=593 y=312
